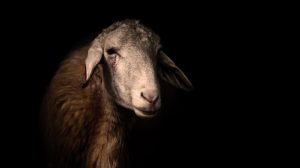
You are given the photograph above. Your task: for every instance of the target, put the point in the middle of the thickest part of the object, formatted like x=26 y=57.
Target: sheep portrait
x=97 y=92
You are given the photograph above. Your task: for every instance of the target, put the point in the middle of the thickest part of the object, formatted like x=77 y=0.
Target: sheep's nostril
x=151 y=98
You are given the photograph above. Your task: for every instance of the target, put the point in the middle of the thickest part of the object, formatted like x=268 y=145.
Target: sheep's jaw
x=143 y=113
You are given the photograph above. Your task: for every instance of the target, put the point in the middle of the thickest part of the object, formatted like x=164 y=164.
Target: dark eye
x=111 y=51
x=159 y=50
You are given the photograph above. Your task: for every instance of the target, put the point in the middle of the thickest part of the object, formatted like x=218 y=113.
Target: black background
x=216 y=124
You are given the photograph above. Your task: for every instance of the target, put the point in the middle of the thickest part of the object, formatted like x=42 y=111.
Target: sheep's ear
x=94 y=56
x=170 y=73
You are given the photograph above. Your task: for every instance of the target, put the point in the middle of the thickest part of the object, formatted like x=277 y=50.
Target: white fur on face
x=133 y=74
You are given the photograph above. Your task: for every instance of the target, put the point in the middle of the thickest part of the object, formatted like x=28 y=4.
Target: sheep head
x=132 y=61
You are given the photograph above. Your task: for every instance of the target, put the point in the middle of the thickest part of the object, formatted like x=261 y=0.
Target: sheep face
x=130 y=66
x=132 y=63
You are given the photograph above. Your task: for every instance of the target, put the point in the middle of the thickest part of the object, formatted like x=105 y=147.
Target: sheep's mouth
x=143 y=113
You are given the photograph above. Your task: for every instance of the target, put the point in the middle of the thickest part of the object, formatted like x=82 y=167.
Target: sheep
x=89 y=106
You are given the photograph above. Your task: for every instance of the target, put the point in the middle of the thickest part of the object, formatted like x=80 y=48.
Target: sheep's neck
x=111 y=145
x=107 y=144
x=108 y=150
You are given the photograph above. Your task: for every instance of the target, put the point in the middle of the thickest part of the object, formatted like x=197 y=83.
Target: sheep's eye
x=111 y=51
x=158 y=51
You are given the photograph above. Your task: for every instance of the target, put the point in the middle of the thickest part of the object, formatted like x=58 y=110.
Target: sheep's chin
x=144 y=114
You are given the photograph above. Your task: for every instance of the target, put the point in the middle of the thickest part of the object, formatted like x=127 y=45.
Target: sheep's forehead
x=137 y=36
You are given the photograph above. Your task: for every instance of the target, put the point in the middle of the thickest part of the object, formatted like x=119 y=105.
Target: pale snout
x=150 y=96
x=147 y=103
